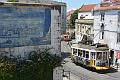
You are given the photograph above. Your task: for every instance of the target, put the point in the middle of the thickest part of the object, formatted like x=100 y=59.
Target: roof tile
x=87 y=8
x=108 y=7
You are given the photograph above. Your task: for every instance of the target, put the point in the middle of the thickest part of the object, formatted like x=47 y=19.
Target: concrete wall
x=55 y=32
x=58 y=73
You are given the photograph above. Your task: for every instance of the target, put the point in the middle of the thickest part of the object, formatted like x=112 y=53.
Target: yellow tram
x=91 y=56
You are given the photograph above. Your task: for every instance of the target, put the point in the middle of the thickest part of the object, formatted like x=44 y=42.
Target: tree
x=38 y=65
x=73 y=17
x=12 y=0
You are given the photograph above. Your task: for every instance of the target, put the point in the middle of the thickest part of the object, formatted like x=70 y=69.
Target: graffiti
x=27 y=26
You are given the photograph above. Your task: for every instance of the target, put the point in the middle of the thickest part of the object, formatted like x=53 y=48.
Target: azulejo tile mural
x=24 y=26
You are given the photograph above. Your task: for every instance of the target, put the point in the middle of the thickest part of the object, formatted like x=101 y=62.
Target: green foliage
x=7 y=69
x=12 y=0
x=73 y=17
x=38 y=66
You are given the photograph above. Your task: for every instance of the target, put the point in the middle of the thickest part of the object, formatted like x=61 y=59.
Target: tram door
x=93 y=59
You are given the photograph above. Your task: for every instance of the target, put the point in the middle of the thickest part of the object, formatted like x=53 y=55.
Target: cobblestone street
x=80 y=73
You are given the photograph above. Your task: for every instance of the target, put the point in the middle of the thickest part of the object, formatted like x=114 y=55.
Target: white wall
x=110 y=22
x=110 y=33
x=85 y=14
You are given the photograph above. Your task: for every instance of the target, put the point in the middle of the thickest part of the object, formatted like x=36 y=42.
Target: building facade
x=25 y=27
x=107 y=27
x=84 y=23
x=69 y=29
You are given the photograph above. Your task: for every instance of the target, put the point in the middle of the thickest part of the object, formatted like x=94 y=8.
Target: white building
x=3 y=0
x=84 y=23
x=85 y=12
x=107 y=26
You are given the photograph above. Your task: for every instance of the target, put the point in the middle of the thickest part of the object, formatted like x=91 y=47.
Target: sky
x=75 y=4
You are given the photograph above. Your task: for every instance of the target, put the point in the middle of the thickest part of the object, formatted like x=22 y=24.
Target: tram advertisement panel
x=24 y=26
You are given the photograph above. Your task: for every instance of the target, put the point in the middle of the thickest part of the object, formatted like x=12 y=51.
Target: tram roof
x=89 y=47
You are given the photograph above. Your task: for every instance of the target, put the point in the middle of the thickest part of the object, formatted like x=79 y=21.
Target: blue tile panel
x=24 y=26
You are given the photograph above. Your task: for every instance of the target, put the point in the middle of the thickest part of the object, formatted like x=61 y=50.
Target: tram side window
x=83 y=53
x=99 y=55
x=93 y=55
x=79 y=53
x=74 y=51
x=87 y=54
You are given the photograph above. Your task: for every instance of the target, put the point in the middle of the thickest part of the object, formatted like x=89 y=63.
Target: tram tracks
x=88 y=75
x=81 y=76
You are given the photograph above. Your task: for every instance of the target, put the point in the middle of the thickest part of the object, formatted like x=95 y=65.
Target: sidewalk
x=117 y=67
x=73 y=77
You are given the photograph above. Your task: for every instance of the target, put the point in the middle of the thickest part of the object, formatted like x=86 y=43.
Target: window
x=104 y=56
x=102 y=16
x=74 y=51
x=118 y=34
x=102 y=32
x=79 y=53
x=83 y=53
x=118 y=17
x=93 y=55
x=118 y=37
x=87 y=54
x=99 y=55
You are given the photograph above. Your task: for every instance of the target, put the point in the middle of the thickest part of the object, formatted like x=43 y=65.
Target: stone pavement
x=73 y=77
x=88 y=75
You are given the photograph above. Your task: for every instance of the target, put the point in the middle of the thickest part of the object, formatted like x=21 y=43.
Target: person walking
x=110 y=61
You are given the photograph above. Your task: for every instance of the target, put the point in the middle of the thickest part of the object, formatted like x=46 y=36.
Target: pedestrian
x=110 y=61
x=116 y=60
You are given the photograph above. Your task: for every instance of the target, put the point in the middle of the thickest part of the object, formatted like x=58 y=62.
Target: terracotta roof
x=108 y=7
x=87 y=8
x=115 y=0
x=107 y=1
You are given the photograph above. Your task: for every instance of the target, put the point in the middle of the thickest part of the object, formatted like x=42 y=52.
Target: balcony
x=84 y=21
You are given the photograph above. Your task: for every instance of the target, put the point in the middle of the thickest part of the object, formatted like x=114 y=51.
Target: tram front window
x=104 y=56
x=99 y=56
